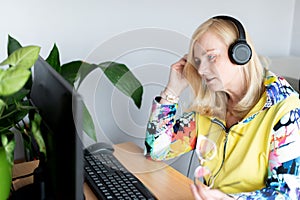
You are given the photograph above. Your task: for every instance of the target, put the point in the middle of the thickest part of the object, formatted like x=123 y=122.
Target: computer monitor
x=60 y=108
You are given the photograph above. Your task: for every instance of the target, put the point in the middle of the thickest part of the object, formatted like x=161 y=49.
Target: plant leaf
x=16 y=97
x=53 y=58
x=70 y=71
x=24 y=57
x=2 y=106
x=12 y=45
x=35 y=128
x=9 y=146
x=118 y=74
x=13 y=114
x=124 y=80
x=88 y=125
x=76 y=70
x=15 y=77
x=137 y=96
x=12 y=80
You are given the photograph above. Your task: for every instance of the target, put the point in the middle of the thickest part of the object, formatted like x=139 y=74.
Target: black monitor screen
x=60 y=108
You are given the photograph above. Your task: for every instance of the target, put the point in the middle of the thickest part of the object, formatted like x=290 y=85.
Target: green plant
x=15 y=81
x=14 y=101
x=14 y=104
x=15 y=85
x=118 y=74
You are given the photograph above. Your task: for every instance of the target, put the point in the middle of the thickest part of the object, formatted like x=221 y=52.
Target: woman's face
x=213 y=64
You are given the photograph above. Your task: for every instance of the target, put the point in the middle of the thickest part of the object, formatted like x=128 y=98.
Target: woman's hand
x=177 y=82
x=202 y=192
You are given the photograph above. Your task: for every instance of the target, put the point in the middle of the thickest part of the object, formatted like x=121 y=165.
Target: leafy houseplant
x=15 y=85
x=14 y=106
x=118 y=74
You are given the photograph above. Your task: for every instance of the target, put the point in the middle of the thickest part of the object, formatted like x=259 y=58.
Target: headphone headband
x=236 y=22
x=239 y=52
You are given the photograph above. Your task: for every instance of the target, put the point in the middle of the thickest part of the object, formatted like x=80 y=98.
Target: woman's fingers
x=202 y=192
x=177 y=82
x=195 y=192
x=180 y=64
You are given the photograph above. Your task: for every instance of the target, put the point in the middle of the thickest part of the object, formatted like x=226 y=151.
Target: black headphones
x=239 y=52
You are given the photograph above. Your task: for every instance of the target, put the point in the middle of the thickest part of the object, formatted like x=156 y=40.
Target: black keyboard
x=109 y=179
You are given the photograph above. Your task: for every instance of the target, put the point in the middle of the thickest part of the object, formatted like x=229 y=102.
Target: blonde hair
x=211 y=103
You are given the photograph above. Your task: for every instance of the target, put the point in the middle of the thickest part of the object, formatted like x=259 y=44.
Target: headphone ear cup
x=240 y=52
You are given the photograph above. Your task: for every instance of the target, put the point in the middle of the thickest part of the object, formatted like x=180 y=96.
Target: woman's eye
x=211 y=57
x=197 y=62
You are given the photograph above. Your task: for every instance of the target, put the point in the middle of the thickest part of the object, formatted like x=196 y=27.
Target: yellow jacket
x=250 y=153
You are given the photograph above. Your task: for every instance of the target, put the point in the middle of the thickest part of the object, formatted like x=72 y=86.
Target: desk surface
x=164 y=181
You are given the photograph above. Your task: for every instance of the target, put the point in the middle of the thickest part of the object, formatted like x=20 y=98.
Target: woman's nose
x=202 y=69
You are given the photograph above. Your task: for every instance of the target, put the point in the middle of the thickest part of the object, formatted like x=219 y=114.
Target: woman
x=252 y=115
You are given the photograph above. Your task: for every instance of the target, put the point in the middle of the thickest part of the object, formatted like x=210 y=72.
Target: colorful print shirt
x=262 y=151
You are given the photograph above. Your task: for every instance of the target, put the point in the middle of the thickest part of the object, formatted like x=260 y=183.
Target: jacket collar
x=277 y=89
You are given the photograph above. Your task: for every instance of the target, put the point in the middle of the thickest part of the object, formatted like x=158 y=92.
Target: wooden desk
x=164 y=181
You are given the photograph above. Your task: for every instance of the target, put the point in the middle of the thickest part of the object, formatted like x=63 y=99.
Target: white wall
x=78 y=26
x=295 y=40
x=286 y=65
x=147 y=36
